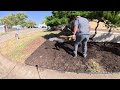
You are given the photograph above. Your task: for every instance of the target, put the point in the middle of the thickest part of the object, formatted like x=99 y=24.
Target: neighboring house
x=2 y=28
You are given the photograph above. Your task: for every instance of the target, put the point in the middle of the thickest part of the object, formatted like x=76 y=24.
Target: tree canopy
x=17 y=19
x=110 y=18
x=62 y=17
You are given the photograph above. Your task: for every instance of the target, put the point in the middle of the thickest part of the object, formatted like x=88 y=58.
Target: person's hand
x=74 y=37
x=68 y=28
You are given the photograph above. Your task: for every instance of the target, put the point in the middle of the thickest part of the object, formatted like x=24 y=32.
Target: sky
x=37 y=16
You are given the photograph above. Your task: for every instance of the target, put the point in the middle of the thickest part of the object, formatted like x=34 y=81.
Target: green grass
x=13 y=48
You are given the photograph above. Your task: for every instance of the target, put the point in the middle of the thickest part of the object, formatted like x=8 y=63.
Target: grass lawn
x=3 y=33
x=13 y=48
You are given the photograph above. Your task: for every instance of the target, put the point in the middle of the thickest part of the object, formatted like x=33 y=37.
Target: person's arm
x=75 y=29
x=75 y=26
x=69 y=29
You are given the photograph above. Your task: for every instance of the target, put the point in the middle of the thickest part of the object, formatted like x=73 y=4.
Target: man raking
x=81 y=34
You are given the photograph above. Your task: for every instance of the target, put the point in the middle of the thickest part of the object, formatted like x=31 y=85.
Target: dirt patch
x=102 y=57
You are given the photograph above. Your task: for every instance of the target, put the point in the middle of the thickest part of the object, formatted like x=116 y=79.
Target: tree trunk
x=95 y=30
x=5 y=28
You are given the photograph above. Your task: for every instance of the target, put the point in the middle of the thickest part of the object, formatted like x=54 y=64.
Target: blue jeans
x=81 y=39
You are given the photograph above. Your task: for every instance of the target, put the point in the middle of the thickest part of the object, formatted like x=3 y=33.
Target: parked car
x=44 y=26
x=60 y=27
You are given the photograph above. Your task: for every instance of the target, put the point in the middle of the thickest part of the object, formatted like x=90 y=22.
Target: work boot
x=84 y=55
x=75 y=54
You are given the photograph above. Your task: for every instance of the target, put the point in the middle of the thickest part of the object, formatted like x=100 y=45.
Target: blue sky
x=37 y=16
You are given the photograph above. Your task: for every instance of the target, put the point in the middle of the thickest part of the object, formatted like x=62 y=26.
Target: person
x=81 y=34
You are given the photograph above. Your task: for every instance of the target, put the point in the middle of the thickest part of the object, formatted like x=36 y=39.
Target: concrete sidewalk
x=12 y=70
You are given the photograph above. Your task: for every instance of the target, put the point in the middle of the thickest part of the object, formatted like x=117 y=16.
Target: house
x=2 y=28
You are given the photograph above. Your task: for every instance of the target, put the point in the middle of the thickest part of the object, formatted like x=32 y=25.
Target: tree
x=14 y=19
x=57 y=18
x=17 y=19
x=30 y=24
x=8 y=20
x=43 y=22
x=110 y=18
x=61 y=17
x=20 y=18
x=0 y=21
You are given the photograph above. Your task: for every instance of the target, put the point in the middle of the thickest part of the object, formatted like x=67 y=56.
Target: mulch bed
x=47 y=56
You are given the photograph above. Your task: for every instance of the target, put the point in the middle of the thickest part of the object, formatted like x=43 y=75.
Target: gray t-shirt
x=83 y=25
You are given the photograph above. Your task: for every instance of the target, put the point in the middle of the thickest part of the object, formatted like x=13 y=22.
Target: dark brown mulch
x=61 y=59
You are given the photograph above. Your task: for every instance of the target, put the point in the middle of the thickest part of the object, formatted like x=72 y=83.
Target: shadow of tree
x=116 y=39
x=111 y=47
x=107 y=37
x=103 y=36
x=50 y=36
x=63 y=32
x=109 y=42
